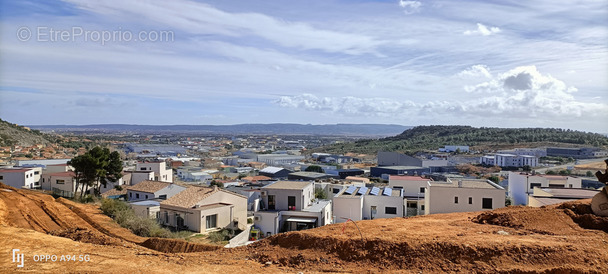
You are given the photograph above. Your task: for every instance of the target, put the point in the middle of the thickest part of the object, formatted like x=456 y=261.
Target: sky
x=156 y=62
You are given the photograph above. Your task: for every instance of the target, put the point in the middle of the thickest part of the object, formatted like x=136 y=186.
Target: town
x=260 y=185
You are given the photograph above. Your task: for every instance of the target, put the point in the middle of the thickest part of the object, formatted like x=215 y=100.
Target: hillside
x=281 y=129
x=422 y=138
x=12 y=134
x=556 y=239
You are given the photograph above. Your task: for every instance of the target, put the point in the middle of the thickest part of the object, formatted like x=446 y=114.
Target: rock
x=502 y=232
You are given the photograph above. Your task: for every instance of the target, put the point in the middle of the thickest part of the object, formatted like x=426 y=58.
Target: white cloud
x=476 y=71
x=410 y=7
x=482 y=30
x=521 y=93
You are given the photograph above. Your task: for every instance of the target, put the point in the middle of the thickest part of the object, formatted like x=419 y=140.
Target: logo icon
x=18 y=258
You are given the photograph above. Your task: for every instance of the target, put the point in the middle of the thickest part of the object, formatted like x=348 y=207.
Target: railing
x=63 y=193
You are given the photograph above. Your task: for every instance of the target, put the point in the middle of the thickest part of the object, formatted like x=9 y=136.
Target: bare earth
x=558 y=239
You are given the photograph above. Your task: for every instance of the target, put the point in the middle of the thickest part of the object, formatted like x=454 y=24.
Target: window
x=390 y=210
x=422 y=207
x=143 y=168
x=291 y=202
x=470 y=200
x=533 y=185
x=179 y=220
x=146 y=196
x=42 y=179
x=131 y=195
x=164 y=197
x=486 y=203
x=336 y=190
x=166 y=217
x=456 y=199
x=271 y=202
x=211 y=221
x=136 y=195
x=1 y=177
x=422 y=189
x=60 y=182
x=36 y=172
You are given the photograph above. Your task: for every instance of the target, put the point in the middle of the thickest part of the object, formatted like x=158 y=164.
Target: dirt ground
x=557 y=239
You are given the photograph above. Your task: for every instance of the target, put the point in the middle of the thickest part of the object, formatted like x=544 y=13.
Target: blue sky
x=480 y=63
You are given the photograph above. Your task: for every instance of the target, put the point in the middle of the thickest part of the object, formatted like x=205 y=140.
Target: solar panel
x=374 y=191
x=362 y=191
x=350 y=190
x=387 y=191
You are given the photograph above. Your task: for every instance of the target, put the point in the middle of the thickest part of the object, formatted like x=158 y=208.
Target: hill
x=433 y=137
x=557 y=239
x=12 y=134
x=281 y=129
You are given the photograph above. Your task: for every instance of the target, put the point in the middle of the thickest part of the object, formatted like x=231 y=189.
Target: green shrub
x=219 y=236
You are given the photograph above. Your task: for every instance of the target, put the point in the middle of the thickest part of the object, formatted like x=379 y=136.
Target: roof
x=544 y=201
x=190 y=196
x=401 y=167
x=149 y=186
x=114 y=192
x=467 y=183
x=256 y=178
x=147 y=203
x=578 y=193
x=14 y=170
x=308 y=174
x=408 y=178
x=296 y=185
x=64 y=174
x=355 y=178
x=58 y=165
x=272 y=169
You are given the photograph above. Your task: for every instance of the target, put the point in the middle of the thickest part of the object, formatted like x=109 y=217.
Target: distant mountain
x=12 y=134
x=432 y=137
x=281 y=129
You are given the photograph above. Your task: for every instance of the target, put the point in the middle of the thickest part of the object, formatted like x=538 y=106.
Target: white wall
x=440 y=199
x=138 y=177
x=18 y=179
x=145 y=211
x=349 y=207
x=381 y=202
x=161 y=173
x=267 y=221
x=410 y=187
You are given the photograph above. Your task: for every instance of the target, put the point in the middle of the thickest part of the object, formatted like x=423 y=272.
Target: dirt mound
x=537 y=220
x=87 y=236
x=581 y=213
x=176 y=246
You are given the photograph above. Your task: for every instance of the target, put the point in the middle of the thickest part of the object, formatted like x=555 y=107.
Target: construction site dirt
x=564 y=238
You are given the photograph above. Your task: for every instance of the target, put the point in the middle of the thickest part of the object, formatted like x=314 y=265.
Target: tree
x=314 y=168
x=320 y=194
x=216 y=183
x=96 y=168
x=589 y=173
x=494 y=179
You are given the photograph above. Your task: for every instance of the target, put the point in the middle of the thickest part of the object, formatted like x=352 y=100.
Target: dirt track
x=513 y=239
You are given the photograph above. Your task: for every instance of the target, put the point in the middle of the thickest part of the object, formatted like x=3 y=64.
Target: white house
x=63 y=183
x=523 y=184
x=509 y=160
x=363 y=203
x=140 y=176
x=161 y=173
x=414 y=188
x=204 y=209
x=462 y=196
x=147 y=190
x=147 y=208
x=548 y=196
x=290 y=206
x=19 y=177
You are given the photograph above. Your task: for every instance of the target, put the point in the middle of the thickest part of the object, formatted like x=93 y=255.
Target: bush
x=219 y=236
x=122 y=214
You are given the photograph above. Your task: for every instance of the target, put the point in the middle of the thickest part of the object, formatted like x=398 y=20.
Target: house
x=400 y=159
x=463 y=149
x=359 y=181
x=19 y=177
x=576 y=153
x=307 y=176
x=152 y=190
x=61 y=183
x=509 y=160
x=523 y=184
x=385 y=171
x=364 y=203
x=204 y=209
x=414 y=188
x=161 y=172
x=140 y=176
x=462 y=195
x=275 y=172
x=279 y=159
x=290 y=206
x=343 y=173
x=548 y=196
x=147 y=208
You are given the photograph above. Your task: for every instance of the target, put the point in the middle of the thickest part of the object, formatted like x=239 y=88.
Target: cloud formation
x=482 y=30
x=410 y=7
x=522 y=92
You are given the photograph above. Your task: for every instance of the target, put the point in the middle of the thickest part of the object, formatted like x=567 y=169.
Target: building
x=307 y=176
x=204 y=209
x=463 y=196
x=538 y=152
x=153 y=150
x=576 y=153
x=290 y=206
x=275 y=172
x=147 y=208
x=61 y=183
x=140 y=176
x=161 y=172
x=400 y=159
x=463 y=149
x=523 y=184
x=385 y=171
x=548 y=196
x=147 y=190
x=363 y=203
x=279 y=159
x=19 y=177
x=414 y=188
x=343 y=173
